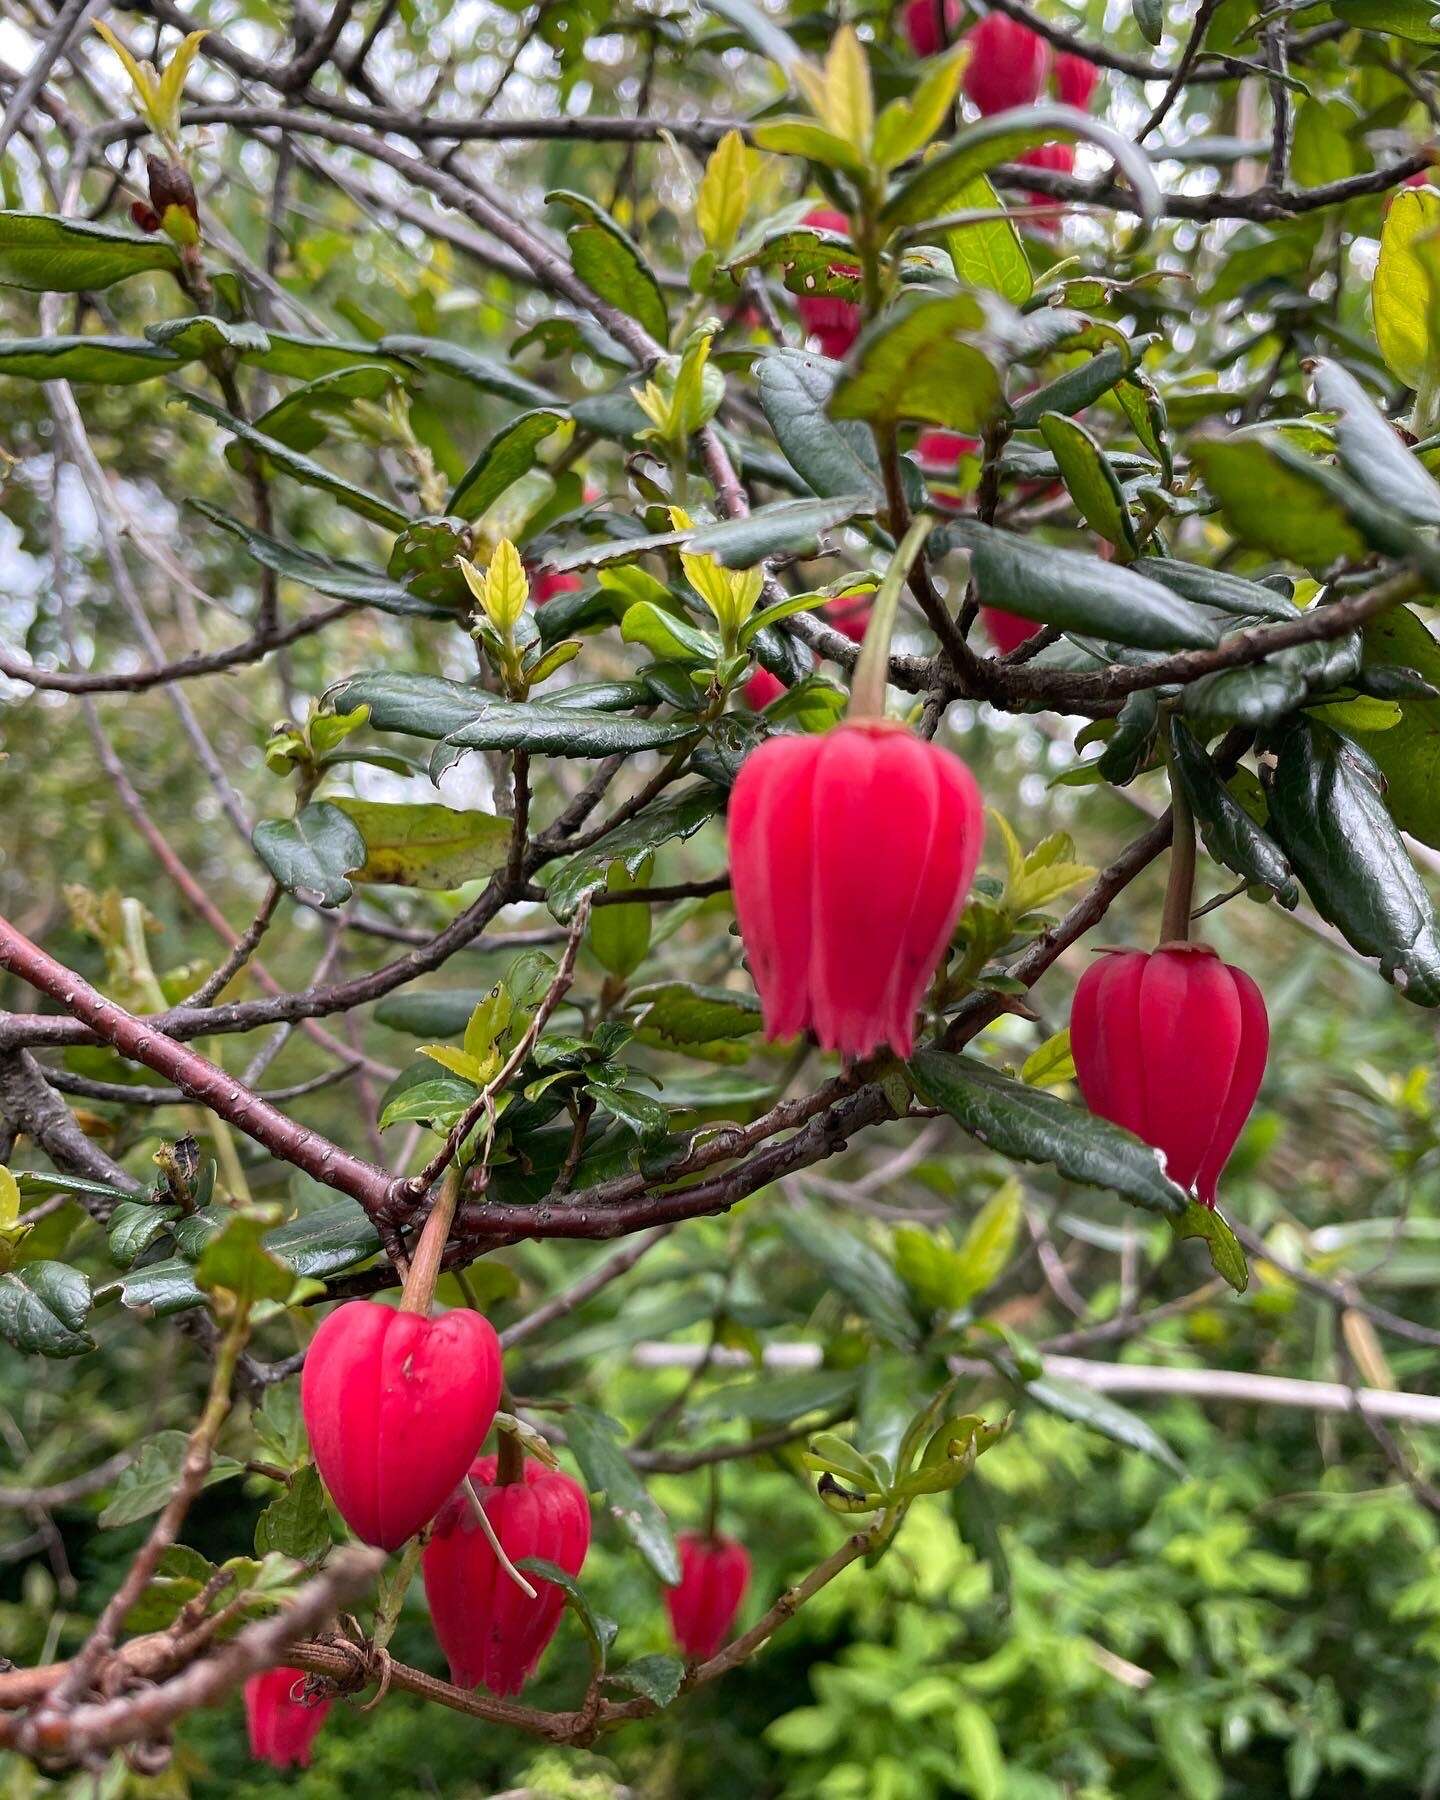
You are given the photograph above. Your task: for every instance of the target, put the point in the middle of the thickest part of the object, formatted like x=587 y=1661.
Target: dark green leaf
x=43 y=1309
x=1231 y=836
x=1102 y=1414
x=674 y=1012
x=1033 y=1126
x=599 y=1631
x=857 y=1270
x=663 y=822
x=789 y=527
x=610 y=264
x=151 y=1479
x=340 y=580
x=510 y=454
x=1278 y=507
x=134 y=1226
x=204 y=335
x=1092 y=483
x=836 y=456
x=296 y=1523
x=306 y=416
x=432 y=1013
x=1328 y=812
x=1371 y=449
x=1081 y=593
x=1076 y=389
x=654 y=1678
x=592 y=1437
x=67 y=256
x=466 y=365
x=1218 y=588
x=1256 y=693
x=302 y=469
x=779 y=1399
x=312 y=853
x=109 y=359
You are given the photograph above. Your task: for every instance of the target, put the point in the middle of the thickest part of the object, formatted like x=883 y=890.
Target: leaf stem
x=867 y=688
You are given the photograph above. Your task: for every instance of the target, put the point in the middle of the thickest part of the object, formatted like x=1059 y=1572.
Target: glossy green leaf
x=855 y=1269
x=1081 y=593
x=1226 y=1256
x=110 y=359
x=784 y=528
x=1092 y=483
x=1231 y=836
x=916 y=363
x=326 y=575
x=511 y=453
x=593 y=1440
x=988 y=253
x=662 y=822
x=150 y=1480
x=302 y=468
x=313 y=853
x=1408 y=754
x=49 y=255
x=1328 y=811
x=1030 y=1125
x=43 y=1309
x=296 y=1523
x=1371 y=449
x=610 y=263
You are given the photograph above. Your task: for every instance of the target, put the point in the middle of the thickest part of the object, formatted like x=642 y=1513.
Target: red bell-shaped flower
x=714 y=1574
x=491 y=1632
x=1075 y=79
x=926 y=29
x=761 y=689
x=1008 y=64
x=835 y=323
x=1007 y=631
x=1171 y=1044
x=281 y=1726
x=850 y=857
x=396 y=1406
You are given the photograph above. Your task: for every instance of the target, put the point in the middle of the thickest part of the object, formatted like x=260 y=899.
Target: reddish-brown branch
x=142 y=1042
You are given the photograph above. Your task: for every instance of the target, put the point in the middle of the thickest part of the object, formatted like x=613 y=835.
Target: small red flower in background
x=848 y=614
x=545 y=584
x=1060 y=158
x=850 y=857
x=491 y=1631
x=761 y=689
x=714 y=1574
x=396 y=1406
x=1007 y=631
x=1008 y=64
x=1171 y=1044
x=1075 y=79
x=925 y=30
x=835 y=323
x=281 y=1728
x=938 y=453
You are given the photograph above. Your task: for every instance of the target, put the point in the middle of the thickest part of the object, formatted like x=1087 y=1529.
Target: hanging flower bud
x=1007 y=631
x=928 y=31
x=835 y=323
x=761 y=690
x=491 y=1631
x=1075 y=79
x=282 y=1727
x=850 y=857
x=172 y=201
x=714 y=1574
x=1060 y=158
x=1008 y=64
x=1171 y=1044
x=396 y=1405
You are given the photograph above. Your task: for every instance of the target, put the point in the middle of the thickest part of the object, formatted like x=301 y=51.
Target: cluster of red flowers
x=397 y=1405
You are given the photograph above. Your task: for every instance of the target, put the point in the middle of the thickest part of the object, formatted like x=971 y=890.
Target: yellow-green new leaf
x=507 y=587
x=849 y=103
x=1405 y=294
x=724 y=196
x=1050 y=1065
x=907 y=126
